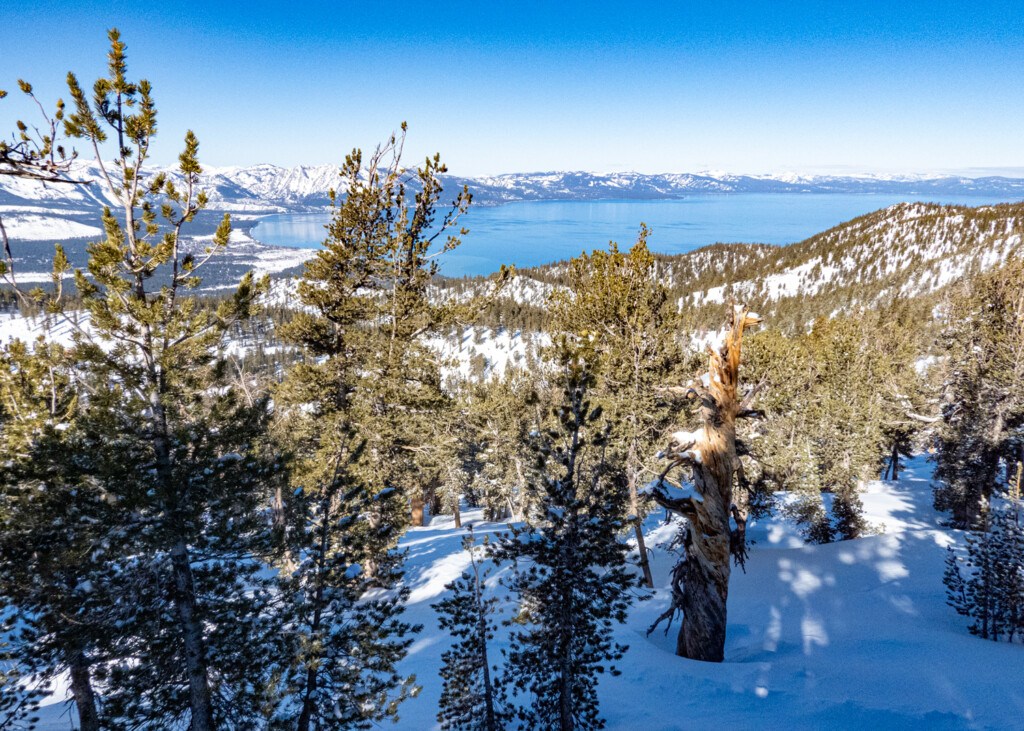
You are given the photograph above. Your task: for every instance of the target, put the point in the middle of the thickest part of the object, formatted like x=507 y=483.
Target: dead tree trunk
x=701 y=581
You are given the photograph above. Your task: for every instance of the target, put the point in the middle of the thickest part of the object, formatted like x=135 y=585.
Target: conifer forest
x=747 y=485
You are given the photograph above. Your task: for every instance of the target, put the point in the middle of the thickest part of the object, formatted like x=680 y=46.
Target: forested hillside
x=622 y=491
x=908 y=251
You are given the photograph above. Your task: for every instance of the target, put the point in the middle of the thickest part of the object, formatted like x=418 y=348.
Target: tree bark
x=312 y=675
x=710 y=541
x=490 y=722
x=894 y=464
x=185 y=605
x=417 y=511
x=641 y=546
x=81 y=689
x=707 y=565
x=200 y=699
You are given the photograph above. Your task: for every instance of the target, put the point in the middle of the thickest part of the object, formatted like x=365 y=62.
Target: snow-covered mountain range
x=264 y=189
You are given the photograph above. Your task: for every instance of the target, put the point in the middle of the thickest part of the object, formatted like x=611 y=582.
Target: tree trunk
x=81 y=689
x=200 y=699
x=645 y=562
x=189 y=624
x=710 y=541
x=490 y=722
x=417 y=511
x=707 y=555
x=312 y=673
x=641 y=544
x=894 y=462
x=565 y=676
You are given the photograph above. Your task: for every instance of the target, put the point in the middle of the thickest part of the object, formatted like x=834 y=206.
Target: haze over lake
x=538 y=232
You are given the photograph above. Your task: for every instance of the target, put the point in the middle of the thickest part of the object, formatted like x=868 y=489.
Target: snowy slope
x=479 y=352
x=850 y=635
x=909 y=249
x=844 y=636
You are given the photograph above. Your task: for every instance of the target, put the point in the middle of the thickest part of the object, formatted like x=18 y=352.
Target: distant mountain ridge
x=264 y=189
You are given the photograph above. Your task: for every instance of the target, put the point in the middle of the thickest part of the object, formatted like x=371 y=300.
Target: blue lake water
x=537 y=232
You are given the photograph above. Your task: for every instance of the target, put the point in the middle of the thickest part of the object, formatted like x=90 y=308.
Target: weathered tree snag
x=417 y=511
x=701 y=579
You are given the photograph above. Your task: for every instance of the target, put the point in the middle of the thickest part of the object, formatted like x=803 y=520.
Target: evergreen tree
x=174 y=447
x=503 y=412
x=343 y=648
x=470 y=699
x=51 y=521
x=838 y=400
x=34 y=155
x=618 y=297
x=574 y=582
x=41 y=536
x=982 y=423
x=990 y=588
x=362 y=413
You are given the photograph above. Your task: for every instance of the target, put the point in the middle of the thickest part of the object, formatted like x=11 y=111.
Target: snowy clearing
x=849 y=635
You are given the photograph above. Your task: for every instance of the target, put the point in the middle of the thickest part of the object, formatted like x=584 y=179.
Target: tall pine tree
x=619 y=298
x=572 y=576
x=361 y=413
x=982 y=425
x=176 y=447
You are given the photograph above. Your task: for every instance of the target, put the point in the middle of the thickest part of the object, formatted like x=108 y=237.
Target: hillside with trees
x=370 y=493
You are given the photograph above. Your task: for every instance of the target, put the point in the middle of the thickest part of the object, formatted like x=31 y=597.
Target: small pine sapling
x=990 y=588
x=470 y=699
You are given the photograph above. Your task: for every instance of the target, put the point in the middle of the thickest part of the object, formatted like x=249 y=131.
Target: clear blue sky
x=745 y=86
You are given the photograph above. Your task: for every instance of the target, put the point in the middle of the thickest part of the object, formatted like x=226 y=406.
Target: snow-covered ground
x=485 y=352
x=40 y=227
x=850 y=635
x=56 y=328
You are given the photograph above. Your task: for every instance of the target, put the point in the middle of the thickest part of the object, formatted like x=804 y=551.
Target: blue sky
x=746 y=87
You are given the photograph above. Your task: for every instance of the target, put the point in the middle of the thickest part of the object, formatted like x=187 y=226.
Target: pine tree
x=983 y=411
x=572 y=576
x=836 y=401
x=362 y=414
x=368 y=292
x=343 y=648
x=990 y=588
x=503 y=412
x=38 y=520
x=620 y=298
x=177 y=449
x=470 y=698
x=34 y=155
x=51 y=521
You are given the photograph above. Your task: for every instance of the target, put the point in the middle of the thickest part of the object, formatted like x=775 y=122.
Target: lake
x=537 y=232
